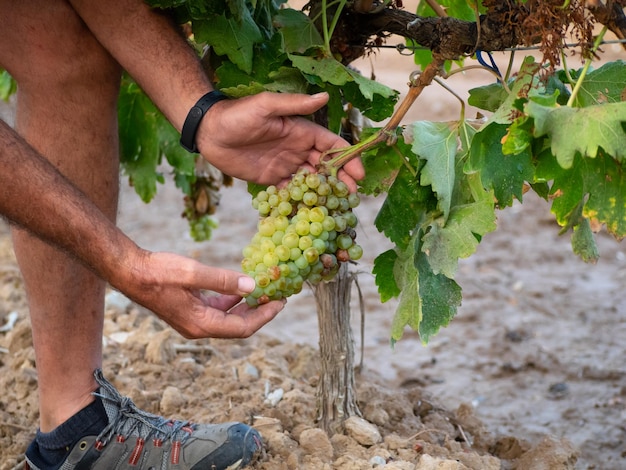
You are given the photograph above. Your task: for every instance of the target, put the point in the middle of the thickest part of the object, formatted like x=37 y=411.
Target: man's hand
x=264 y=139
x=174 y=286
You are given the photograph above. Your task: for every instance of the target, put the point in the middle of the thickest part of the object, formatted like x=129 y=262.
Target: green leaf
x=457 y=8
x=604 y=85
x=598 y=184
x=326 y=69
x=568 y=185
x=230 y=37
x=8 y=86
x=584 y=243
x=489 y=97
x=605 y=181
x=505 y=174
x=382 y=165
x=383 y=272
x=436 y=143
x=525 y=81
x=409 y=310
x=139 y=148
x=373 y=99
x=583 y=130
x=297 y=30
x=445 y=243
x=406 y=204
x=440 y=298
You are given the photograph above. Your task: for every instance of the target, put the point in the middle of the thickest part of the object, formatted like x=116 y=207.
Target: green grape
x=282 y=252
x=316 y=229
x=284 y=208
x=296 y=193
x=355 y=252
x=344 y=241
x=303 y=227
x=274 y=200
x=309 y=198
x=316 y=214
x=341 y=189
x=305 y=231
x=311 y=255
x=305 y=242
x=290 y=240
x=312 y=180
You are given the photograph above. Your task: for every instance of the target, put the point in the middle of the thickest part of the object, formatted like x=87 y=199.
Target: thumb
x=292 y=104
x=195 y=275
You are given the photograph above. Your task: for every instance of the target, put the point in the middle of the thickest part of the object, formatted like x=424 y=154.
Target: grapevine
x=305 y=231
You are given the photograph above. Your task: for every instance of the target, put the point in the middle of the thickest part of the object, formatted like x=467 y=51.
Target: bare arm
x=258 y=138
x=35 y=196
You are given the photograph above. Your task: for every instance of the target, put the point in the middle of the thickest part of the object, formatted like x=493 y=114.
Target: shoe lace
x=131 y=421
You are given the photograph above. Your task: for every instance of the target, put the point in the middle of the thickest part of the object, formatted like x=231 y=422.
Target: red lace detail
x=99 y=445
x=136 y=453
x=175 y=452
x=157 y=442
x=120 y=438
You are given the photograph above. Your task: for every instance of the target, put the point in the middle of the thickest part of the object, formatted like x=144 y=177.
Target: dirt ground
x=529 y=375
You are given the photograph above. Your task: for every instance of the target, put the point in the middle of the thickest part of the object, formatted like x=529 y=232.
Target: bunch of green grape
x=305 y=231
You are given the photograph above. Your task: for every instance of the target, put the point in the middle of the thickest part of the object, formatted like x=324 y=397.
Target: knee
x=54 y=50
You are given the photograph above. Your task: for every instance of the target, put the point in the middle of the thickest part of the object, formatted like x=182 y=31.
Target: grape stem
x=330 y=165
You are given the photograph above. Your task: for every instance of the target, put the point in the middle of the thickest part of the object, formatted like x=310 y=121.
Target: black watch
x=195 y=115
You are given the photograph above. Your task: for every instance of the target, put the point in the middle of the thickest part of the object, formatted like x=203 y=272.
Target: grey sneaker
x=137 y=440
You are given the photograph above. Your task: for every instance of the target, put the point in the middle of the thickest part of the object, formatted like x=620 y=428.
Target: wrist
x=189 y=132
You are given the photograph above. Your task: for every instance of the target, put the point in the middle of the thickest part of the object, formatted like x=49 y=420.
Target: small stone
x=378 y=461
x=171 y=401
x=434 y=463
x=315 y=442
x=363 y=432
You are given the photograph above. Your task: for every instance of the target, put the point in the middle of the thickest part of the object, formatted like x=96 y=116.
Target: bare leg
x=66 y=109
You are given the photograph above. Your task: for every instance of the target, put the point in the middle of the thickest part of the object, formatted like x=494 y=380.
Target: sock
x=49 y=450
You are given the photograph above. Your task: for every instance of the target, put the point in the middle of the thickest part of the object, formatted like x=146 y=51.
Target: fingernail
x=246 y=284
x=321 y=94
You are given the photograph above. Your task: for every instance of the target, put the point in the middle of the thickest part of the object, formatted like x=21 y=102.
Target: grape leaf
x=297 y=30
x=505 y=174
x=409 y=309
x=604 y=85
x=448 y=241
x=383 y=272
x=440 y=298
x=327 y=69
x=382 y=164
x=568 y=186
x=525 y=81
x=598 y=183
x=489 y=97
x=436 y=143
x=230 y=37
x=583 y=130
x=406 y=203
x=373 y=99
x=605 y=181
x=139 y=148
x=583 y=241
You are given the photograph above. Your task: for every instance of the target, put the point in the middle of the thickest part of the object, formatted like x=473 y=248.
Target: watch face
x=195 y=112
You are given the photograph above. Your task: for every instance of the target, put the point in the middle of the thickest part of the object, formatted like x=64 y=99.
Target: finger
x=291 y=104
x=242 y=321
x=223 y=281
x=355 y=169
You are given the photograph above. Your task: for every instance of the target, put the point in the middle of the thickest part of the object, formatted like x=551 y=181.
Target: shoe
x=135 y=439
